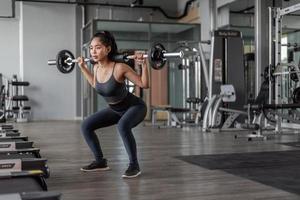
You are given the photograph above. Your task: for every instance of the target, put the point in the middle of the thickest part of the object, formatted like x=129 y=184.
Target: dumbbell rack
x=21 y=112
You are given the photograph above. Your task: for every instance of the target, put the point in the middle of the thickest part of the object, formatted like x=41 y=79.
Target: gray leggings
x=125 y=120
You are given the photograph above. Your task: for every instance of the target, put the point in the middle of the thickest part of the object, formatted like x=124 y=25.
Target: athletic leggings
x=127 y=114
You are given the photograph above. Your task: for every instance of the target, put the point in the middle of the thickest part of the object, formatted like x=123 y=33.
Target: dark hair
x=107 y=39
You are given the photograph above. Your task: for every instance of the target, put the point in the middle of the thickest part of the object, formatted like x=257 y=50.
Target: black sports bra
x=112 y=90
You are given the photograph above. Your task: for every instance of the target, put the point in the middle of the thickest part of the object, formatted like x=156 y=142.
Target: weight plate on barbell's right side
x=62 y=66
x=156 y=56
x=296 y=95
x=294 y=75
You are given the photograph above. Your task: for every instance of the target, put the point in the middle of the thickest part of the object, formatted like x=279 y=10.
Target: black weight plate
x=293 y=75
x=156 y=56
x=62 y=66
x=296 y=95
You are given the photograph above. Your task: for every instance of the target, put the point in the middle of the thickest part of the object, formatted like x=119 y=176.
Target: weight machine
x=185 y=91
x=278 y=112
x=12 y=101
x=225 y=81
x=280 y=69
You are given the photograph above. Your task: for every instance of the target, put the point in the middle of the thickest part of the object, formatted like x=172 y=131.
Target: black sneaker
x=96 y=166
x=132 y=172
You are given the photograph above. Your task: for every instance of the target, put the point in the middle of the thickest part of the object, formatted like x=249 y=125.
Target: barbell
x=157 y=57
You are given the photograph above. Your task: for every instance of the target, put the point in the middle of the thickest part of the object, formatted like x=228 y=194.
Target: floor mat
x=279 y=169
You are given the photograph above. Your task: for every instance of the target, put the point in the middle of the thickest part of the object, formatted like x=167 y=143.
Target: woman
x=124 y=109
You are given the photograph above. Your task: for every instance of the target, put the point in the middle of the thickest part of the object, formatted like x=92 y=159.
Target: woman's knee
x=123 y=128
x=142 y=112
x=86 y=127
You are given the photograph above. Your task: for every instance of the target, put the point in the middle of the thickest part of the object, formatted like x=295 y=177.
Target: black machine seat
x=20 y=83
x=194 y=100
x=24 y=108
x=177 y=110
x=20 y=98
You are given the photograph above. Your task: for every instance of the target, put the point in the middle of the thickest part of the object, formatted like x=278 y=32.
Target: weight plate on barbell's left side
x=62 y=66
x=156 y=56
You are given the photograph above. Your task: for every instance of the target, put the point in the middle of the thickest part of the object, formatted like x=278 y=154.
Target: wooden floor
x=163 y=176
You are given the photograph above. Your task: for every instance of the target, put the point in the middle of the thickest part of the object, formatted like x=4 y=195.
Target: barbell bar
x=157 y=57
x=166 y=55
x=68 y=61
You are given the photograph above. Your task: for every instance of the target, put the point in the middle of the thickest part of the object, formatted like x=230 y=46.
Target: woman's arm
x=141 y=81
x=90 y=77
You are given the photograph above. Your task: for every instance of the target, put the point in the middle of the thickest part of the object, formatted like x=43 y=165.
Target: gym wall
x=35 y=35
x=48 y=28
x=9 y=48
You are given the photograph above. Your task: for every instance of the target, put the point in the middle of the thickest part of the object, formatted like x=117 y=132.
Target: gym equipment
x=20 y=110
x=281 y=88
x=290 y=44
x=269 y=76
x=26 y=181
x=24 y=147
x=225 y=68
x=185 y=78
x=28 y=154
x=32 y=196
x=24 y=164
x=172 y=119
x=296 y=95
x=157 y=56
x=249 y=68
x=268 y=112
x=13 y=138
x=215 y=106
x=23 y=175
x=6 y=127
x=273 y=106
x=9 y=133
x=2 y=101
x=65 y=61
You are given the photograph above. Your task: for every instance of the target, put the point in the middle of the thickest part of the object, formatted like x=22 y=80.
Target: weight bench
x=172 y=119
x=257 y=127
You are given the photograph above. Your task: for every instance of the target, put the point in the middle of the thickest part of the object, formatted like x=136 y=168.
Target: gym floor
x=164 y=176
